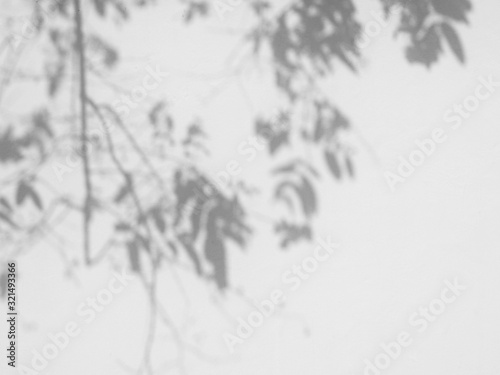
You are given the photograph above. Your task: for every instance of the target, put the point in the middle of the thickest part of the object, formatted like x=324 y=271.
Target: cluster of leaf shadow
x=190 y=217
